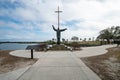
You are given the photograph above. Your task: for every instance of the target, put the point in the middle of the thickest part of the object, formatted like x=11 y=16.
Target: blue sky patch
x=5 y=4
x=71 y=23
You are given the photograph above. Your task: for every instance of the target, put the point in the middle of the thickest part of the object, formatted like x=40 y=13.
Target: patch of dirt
x=10 y=63
x=107 y=66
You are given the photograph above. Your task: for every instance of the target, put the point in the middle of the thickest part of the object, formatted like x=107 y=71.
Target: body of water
x=14 y=46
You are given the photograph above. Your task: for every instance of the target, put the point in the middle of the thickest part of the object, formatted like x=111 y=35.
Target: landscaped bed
x=10 y=63
x=107 y=66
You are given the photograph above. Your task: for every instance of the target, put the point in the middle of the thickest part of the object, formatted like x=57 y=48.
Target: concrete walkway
x=14 y=75
x=60 y=65
x=66 y=67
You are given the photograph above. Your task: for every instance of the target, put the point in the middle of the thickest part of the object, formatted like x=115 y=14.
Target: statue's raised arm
x=54 y=28
x=63 y=29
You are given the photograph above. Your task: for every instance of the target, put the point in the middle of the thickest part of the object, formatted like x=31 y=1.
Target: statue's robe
x=58 y=33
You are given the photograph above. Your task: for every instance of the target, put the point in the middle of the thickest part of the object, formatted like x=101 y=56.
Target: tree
x=110 y=33
x=53 y=39
x=80 y=39
x=117 y=35
x=74 y=38
x=89 y=39
x=63 y=40
x=117 y=32
x=85 y=39
x=107 y=34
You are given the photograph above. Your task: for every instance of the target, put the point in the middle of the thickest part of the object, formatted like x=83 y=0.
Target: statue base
x=59 y=47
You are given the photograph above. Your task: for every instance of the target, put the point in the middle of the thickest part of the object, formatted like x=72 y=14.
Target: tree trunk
x=108 y=41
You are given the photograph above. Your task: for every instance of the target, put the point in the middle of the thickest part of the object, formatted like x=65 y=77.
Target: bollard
x=31 y=53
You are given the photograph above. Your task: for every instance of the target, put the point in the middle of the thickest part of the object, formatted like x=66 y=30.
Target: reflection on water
x=13 y=46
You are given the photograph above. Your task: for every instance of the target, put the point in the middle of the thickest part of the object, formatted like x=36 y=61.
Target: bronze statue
x=58 y=33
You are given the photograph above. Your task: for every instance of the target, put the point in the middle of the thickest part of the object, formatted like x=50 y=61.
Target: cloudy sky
x=32 y=19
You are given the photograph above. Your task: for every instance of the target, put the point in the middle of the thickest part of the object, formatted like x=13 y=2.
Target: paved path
x=66 y=67
x=60 y=65
x=14 y=75
x=85 y=52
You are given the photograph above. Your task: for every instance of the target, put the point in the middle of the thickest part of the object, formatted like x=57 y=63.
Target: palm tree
x=80 y=39
x=53 y=39
x=63 y=40
x=85 y=39
x=89 y=39
x=75 y=38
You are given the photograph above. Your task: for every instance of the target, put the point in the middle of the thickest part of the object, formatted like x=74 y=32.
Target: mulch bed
x=10 y=63
x=106 y=66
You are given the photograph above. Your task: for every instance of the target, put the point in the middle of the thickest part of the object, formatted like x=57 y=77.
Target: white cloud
x=92 y=16
x=96 y=14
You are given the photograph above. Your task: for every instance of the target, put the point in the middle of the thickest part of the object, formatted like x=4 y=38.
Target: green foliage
x=75 y=38
x=110 y=33
x=50 y=42
x=90 y=42
x=83 y=44
x=107 y=34
x=117 y=32
x=74 y=45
